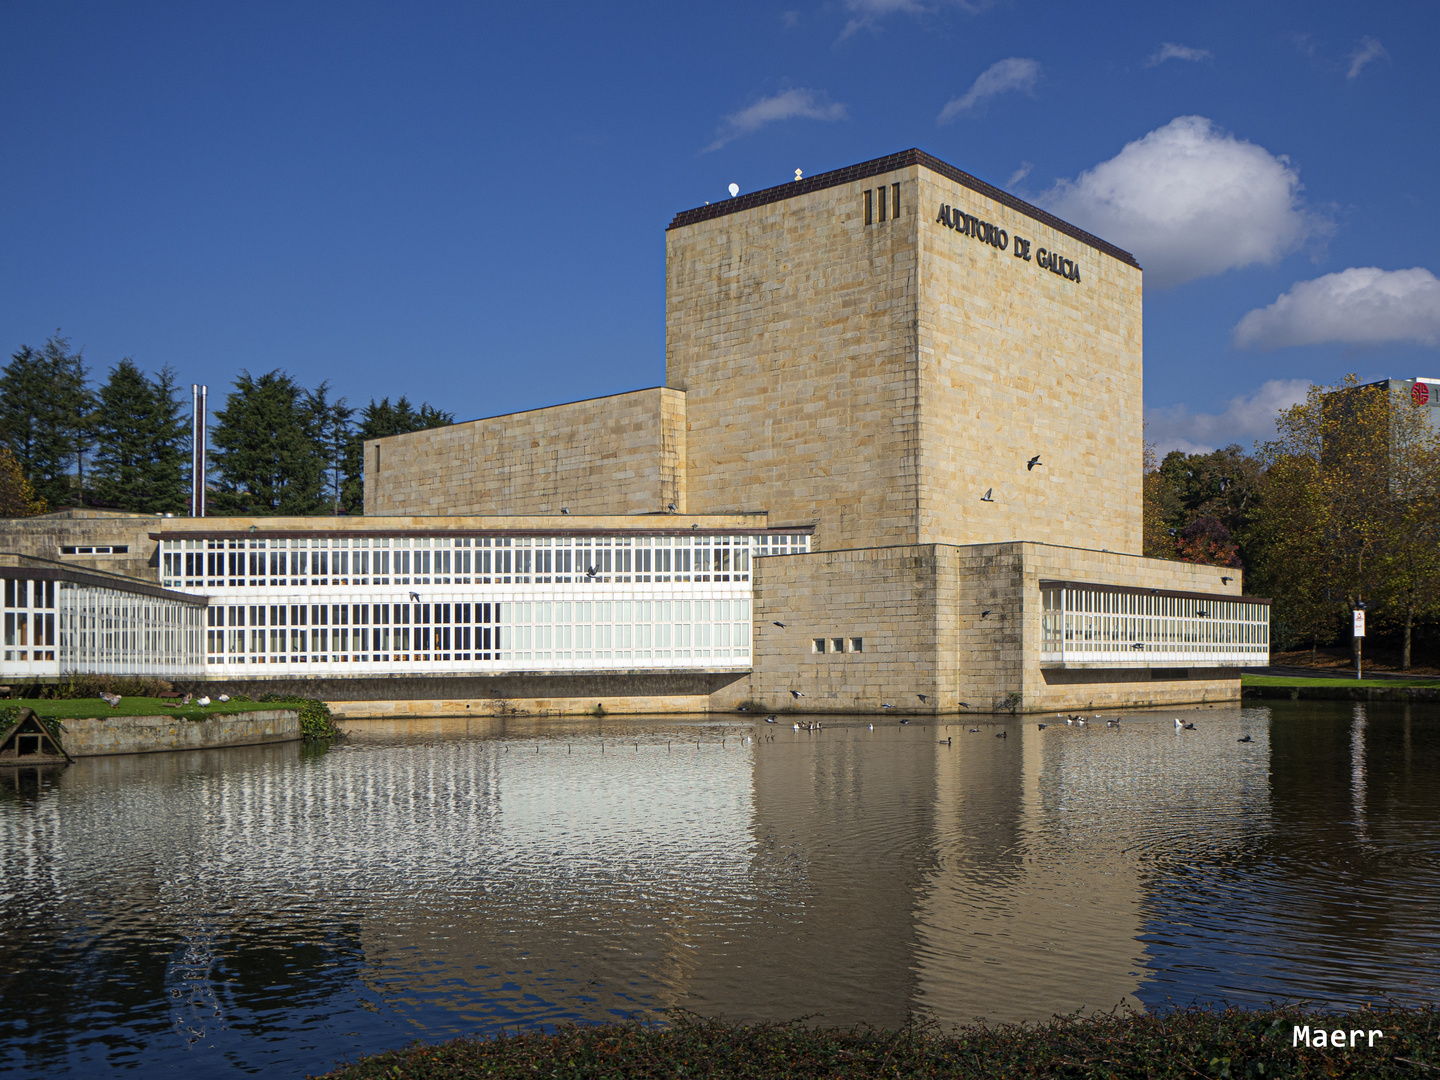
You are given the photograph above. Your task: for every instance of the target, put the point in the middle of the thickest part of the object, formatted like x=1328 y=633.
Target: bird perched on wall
x=1033 y=462
x=670 y=507
x=781 y=625
x=565 y=510
x=986 y=497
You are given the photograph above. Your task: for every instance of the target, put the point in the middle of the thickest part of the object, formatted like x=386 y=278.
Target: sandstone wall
x=623 y=454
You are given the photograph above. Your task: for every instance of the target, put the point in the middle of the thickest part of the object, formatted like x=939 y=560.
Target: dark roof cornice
x=890 y=163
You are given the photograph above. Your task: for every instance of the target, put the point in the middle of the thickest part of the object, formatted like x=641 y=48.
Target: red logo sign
x=1420 y=393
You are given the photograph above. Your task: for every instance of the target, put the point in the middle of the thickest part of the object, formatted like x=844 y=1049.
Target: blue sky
x=467 y=203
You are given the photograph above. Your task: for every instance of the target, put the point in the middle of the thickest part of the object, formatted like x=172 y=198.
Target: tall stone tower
x=874 y=349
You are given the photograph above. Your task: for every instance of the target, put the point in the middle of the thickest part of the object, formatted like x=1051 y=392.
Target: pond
x=278 y=909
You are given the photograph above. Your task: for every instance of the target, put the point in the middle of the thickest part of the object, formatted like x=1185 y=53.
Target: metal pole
x=198 y=408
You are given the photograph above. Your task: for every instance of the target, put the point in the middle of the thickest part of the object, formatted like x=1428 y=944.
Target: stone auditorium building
x=896 y=462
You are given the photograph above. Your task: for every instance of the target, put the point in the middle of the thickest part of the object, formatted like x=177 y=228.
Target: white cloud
x=999 y=78
x=1019 y=174
x=1171 y=51
x=1190 y=201
x=798 y=103
x=1361 y=305
x=866 y=13
x=1369 y=49
x=1246 y=419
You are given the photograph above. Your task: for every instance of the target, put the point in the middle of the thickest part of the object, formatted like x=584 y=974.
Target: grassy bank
x=1285 y=680
x=1186 y=1043
x=83 y=708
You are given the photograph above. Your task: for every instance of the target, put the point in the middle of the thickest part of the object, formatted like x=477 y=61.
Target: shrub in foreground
x=1194 y=1042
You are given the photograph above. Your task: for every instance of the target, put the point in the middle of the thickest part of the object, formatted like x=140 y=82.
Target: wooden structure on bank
x=25 y=741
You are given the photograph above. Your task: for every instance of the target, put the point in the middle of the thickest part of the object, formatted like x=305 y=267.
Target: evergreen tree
x=141 y=442
x=268 y=458
x=332 y=422
x=378 y=421
x=45 y=414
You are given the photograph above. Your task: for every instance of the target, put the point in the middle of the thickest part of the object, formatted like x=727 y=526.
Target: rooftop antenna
x=734 y=190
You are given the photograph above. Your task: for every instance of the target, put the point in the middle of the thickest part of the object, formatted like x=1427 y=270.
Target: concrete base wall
x=155 y=734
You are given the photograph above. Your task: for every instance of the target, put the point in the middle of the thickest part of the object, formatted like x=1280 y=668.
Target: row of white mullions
x=523 y=629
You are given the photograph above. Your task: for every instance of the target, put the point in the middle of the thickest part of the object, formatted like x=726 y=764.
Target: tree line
x=1340 y=510
x=277 y=446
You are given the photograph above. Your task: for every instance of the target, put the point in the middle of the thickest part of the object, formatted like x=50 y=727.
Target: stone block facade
x=623 y=454
x=959 y=625
x=876 y=374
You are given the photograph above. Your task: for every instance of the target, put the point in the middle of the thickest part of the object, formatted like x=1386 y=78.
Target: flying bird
x=564 y=509
x=796 y=694
x=985 y=612
x=886 y=705
x=1042 y=727
x=922 y=697
x=1226 y=580
x=904 y=721
x=590 y=571
x=964 y=704
x=415 y=596
x=781 y=625
x=986 y=497
x=1033 y=462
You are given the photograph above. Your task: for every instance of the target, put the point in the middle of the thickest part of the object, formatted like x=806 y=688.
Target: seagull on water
x=1245 y=739
x=1003 y=735
x=973 y=730
x=1042 y=727
x=769 y=719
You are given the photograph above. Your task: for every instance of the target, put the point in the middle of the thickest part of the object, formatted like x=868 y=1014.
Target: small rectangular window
x=817 y=645
x=857 y=644
x=837 y=644
x=894 y=200
x=869 y=206
x=880 y=198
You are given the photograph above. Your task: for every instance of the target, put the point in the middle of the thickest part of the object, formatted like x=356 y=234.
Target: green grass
x=1193 y=1042
x=1285 y=680
x=83 y=708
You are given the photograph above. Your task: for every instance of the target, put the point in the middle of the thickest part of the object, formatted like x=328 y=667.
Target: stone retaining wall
x=153 y=734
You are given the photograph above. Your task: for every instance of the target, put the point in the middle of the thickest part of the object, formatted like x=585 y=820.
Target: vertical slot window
x=894 y=200
x=869 y=207
x=880 y=199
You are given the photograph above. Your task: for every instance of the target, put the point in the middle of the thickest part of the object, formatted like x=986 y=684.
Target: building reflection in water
x=433 y=878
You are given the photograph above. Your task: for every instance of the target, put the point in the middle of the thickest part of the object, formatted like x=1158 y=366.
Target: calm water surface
x=276 y=909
